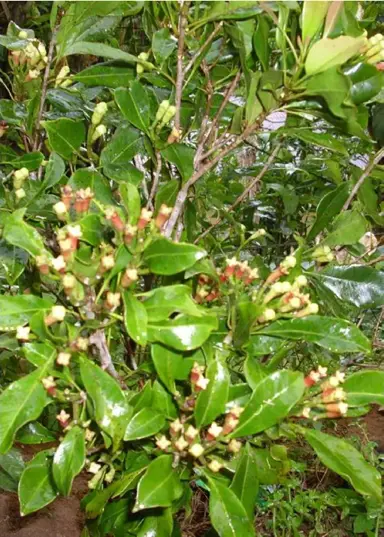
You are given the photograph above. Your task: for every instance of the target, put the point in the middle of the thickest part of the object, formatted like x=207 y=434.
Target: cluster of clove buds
x=327 y=398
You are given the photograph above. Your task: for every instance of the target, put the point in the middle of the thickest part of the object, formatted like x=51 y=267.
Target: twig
x=225 y=138
x=203 y=46
x=245 y=193
x=377 y=327
x=6 y=10
x=45 y=86
x=155 y=182
x=371 y=165
x=180 y=55
x=204 y=123
x=374 y=261
x=99 y=340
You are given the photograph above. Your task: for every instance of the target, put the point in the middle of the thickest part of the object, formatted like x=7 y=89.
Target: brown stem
x=180 y=55
x=371 y=165
x=155 y=182
x=99 y=340
x=45 y=86
x=245 y=193
x=203 y=46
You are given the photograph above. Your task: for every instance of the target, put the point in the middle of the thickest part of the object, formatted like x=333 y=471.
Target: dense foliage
x=190 y=253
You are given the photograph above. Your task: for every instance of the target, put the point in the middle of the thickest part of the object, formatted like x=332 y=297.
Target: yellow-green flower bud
x=63 y=73
x=19 y=176
x=23 y=34
x=99 y=112
x=170 y=112
x=99 y=131
x=163 y=107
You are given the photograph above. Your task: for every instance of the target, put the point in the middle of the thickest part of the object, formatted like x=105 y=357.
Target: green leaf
x=11 y=468
x=271 y=401
x=135 y=105
x=13 y=261
x=31 y=161
x=238 y=395
x=92 y=229
x=181 y=156
x=260 y=345
x=334 y=88
x=116 y=156
x=135 y=318
x=167 y=364
x=21 y=402
x=36 y=489
x=39 y=353
x=365 y=387
x=329 y=206
x=112 y=411
x=147 y=422
x=167 y=194
x=260 y=41
x=211 y=402
x=367 y=82
x=159 y=525
x=327 y=53
x=34 y=433
x=163 y=401
x=347 y=229
x=313 y=18
x=336 y=335
x=253 y=371
x=227 y=513
x=65 y=136
x=90 y=178
x=104 y=74
x=159 y=486
x=321 y=139
x=130 y=197
x=20 y=234
x=357 y=284
x=245 y=482
x=104 y=51
x=166 y=257
x=341 y=457
x=160 y=303
x=69 y=460
x=163 y=45
x=183 y=333
x=53 y=171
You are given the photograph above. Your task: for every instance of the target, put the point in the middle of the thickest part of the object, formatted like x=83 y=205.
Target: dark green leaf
x=34 y=433
x=104 y=51
x=365 y=387
x=13 y=261
x=104 y=74
x=322 y=140
x=181 y=156
x=253 y=371
x=167 y=364
x=260 y=41
x=167 y=194
x=65 y=136
x=184 y=333
x=367 y=81
x=135 y=318
x=117 y=155
x=69 y=460
x=135 y=105
x=11 y=468
x=261 y=345
x=90 y=178
x=130 y=197
x=163 y=45
x=165 y=257
x=245 y=482
x=211 y=402
x=329 y=207
x=163 y=301
x=92 y=229
x=159 y=525
x=163 y=402
x=147 y=422
x=36 y=489
x=333 y=87
x=53 y=172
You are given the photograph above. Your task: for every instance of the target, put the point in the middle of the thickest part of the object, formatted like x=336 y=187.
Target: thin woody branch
x=99 y=340
x=189 y=65
x=155 y=182
x=180 y=54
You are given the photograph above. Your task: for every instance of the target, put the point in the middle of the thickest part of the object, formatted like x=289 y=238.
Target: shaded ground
x=64 y=518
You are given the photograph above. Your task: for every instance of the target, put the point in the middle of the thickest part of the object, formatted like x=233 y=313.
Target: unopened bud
x=57 y=314
x=98 y=113
x=145 y=218
x=20 y=193
x=130 y=276
x=162 y=216
x=61 y=210
x=99 y=131
x=196 y=450
x=215 y=466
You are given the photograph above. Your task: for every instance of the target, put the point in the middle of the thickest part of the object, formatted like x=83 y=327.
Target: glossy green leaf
x=21 y=234
x=211 y=402
x=135 y=105
x=114 y=518
x=271 y=401
x=357 y=284
x=159 y=486
x=365 y=387
x=90 y=178
x=334 y=88
x=245 y=482
x=69 y=460
x=329 y=207
x=260 y=345
x=135 y=318
x=163 y=44
x=238 y=395
x=327 y=53
x=36 y=488
x=147 y=422
x=158 y=525
x=167 y=364
x=181 y=156
x=92 y=229
x=260 y=41
x=253 y=371
x=39 y=353
x=54 y=171
x=163 y=402
x=313 y=18
x=112 y=411
x=34 y=433
x=183 y=333
x=104 y=74
x=31 y=161
x=322 y=140
x=103 y=51
x=11 y=468
x=336 y=335
x=341 y=457
x=130 y=197
x=347 y=229
x=65 y=136
x=160 y=303
x=116 y=157
x=367 y=81
x=13 y=261
x=167 y=194
x=166 y=257
x=21 y=402
x=228 y=515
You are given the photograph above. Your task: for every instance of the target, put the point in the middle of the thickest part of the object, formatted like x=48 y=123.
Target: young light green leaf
x=341 y=457
x=313 y=18
x=245 y=482
x=146 y=422
x=364 y=388
x=166 y=257
x=69 y=460
x=21 y=402
x=21 y=234
x=135 y=318
x=65 y=136
x=211 y=402
x=39 y=353
x=327 y=53
x=228 y=515
x=159 y=486
x=253 y=371
x=36 y=488
x=130 y=197
x=336 y=335
x=271 y=401
x=347 y=229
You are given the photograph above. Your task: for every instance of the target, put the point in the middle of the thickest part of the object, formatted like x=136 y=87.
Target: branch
x=155 y=182
x=245 y=193
x=372 y=164
x=45 y=86
x=7 y=13
x=203 y=46
x=180 y=71
x=99 y=340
